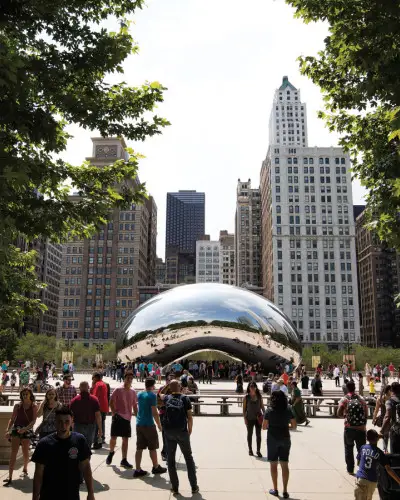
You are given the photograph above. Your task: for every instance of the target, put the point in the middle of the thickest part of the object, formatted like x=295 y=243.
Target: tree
x=35 y=347
x=358 y=72
x=55 y=60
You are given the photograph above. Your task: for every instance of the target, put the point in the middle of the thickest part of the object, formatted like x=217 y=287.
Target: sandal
x=274 y=493
x=7 y=482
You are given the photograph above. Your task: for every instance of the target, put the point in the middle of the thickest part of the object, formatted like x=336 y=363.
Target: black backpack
x=175 y=413
x=355 y=415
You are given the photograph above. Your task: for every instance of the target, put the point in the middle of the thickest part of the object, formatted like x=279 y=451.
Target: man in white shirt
x=336 y=376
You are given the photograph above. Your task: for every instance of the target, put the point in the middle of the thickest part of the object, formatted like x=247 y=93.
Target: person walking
x=60 y=459
x=379 y=413
x=391 y=370
x=66 y=392
x=202 y=372
x=368 y=458
x=253 y=413
x=278 y=419
x=368 y=372
x=100 y=391
x=355 y=412
x=48 y=409
x=360 y=384
x=316 y=388
x=210 y=373
x=146 y=431
x=391 y=421
x=178 y=425
x=336 y=375
x=19 y=430
x=24 y=376
x=87 y=416
x=298 y=406
x=123 y=402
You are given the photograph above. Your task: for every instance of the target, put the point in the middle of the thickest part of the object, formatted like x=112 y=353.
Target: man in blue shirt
x=177 y=368
x=146 y=432
x=368 y=458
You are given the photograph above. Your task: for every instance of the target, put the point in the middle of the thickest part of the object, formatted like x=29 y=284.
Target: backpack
x=355 y=411
x=175 y=413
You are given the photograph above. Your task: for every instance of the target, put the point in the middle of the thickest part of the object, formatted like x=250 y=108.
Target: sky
x=221 y=61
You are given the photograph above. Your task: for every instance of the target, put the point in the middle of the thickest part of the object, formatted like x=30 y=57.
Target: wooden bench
x=199 y=404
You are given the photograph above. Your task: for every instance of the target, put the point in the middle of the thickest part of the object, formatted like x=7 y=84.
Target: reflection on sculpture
x=209 y=316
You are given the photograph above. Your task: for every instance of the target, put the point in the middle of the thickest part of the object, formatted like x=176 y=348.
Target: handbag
x=260 y=418
x=39 y=427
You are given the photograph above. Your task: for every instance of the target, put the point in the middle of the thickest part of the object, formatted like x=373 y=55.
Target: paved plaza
x=225 y=471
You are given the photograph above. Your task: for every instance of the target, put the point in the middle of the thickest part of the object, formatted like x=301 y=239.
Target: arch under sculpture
x=209 y=316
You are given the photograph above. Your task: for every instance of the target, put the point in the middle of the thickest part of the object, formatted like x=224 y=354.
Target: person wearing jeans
x=178 y=424
x=354 y=432
x=253 y=412
x=86 y=410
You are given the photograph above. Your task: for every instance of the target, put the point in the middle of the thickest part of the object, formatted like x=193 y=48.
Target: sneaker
x=195 y=490
x=158 y=470
x=164 y=457
x=251 y=453
x=110 y=457
x=285 y=494
x=259 y=454
x=274 y=493
x=140 y=473
x=126 y=464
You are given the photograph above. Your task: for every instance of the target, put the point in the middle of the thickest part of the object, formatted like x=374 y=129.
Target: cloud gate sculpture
x=209 y=316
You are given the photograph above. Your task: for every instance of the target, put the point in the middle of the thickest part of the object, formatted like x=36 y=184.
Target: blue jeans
x=181 y=438
x=88 y=430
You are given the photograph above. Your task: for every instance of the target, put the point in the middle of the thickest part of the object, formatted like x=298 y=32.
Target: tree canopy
x=358 y=72
x=55 y=62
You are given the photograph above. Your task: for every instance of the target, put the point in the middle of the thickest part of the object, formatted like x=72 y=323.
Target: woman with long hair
x=48 y=409
x=278 y=419
x=19 y=430
x=253 y=413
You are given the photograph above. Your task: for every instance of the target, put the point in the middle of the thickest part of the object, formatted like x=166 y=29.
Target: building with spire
x=309 y=266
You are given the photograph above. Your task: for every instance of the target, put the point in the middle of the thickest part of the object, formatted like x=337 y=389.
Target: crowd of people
x=74 y=421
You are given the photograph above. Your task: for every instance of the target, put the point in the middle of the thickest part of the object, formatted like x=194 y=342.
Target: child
x=372 y=387
x=368 y=458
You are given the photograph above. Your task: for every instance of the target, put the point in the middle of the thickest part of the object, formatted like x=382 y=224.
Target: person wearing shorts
x=278 y=419
x=146 y=431
x=123 y=402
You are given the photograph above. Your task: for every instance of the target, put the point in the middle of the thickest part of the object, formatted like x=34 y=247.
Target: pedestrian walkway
x=225 y=471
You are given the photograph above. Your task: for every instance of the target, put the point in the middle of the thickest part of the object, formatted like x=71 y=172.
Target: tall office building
x=160 y=271
x=308 y=233
x=379 y=283
x=227 y=257
x=247 y=234
x=48 y=267
x=100 y=276
x=185 y=225
x=208 y=264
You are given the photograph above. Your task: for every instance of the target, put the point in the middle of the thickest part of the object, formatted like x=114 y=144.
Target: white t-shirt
x=336 y=372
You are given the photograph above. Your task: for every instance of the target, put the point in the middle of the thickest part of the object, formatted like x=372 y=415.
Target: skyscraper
x=309 y=264
x=100 y=276
x=48 y=267
x=379 y=284
x=227 y=257
x=247 y=235
x=184 y=226
x=208 y=263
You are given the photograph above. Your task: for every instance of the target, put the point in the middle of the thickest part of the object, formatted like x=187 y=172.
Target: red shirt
x=84 y=407
x=99 y=390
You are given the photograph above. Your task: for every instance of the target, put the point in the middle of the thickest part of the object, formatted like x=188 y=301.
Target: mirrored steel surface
x=209 y=315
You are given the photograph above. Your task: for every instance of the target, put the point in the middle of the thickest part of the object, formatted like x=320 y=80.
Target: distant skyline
x=221 y=63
